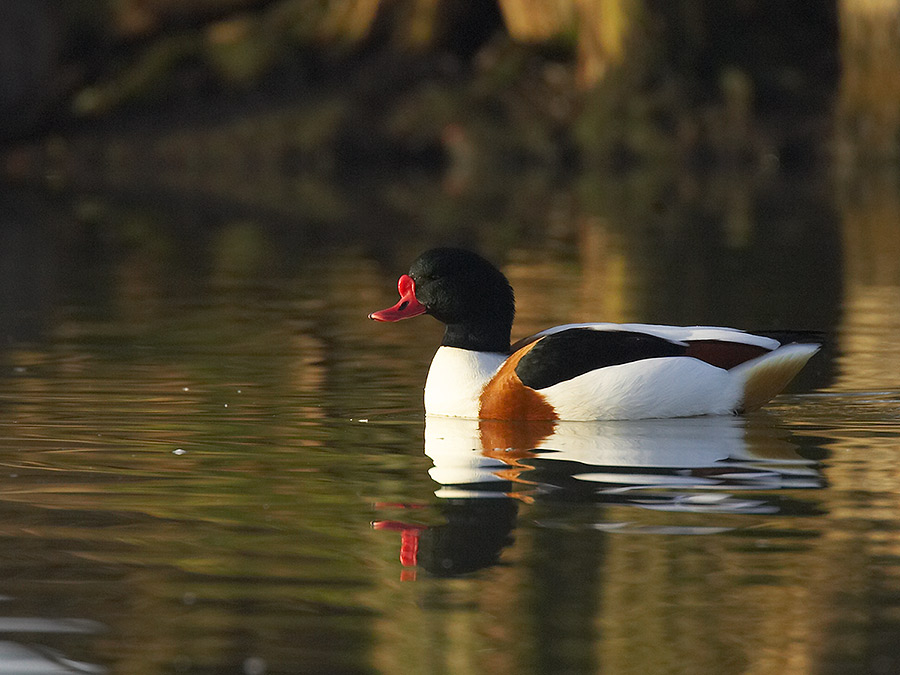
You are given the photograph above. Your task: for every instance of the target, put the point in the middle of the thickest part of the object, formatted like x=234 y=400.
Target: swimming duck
x=587 y=371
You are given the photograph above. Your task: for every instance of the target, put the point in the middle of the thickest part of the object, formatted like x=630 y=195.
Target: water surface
x=210 y=461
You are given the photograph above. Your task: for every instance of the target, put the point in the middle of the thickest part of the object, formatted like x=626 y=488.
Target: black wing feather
x=573 y=352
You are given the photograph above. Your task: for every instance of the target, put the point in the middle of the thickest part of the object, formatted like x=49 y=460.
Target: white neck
x=456 y=378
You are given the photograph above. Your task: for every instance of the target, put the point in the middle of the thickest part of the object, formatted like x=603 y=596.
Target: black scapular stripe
x=573 y=352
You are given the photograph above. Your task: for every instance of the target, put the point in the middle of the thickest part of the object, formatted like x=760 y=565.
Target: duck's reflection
x=707 y=465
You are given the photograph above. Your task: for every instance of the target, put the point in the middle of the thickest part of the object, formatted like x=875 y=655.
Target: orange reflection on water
x=869 y=334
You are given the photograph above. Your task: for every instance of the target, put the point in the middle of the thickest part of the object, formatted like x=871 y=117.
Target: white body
x=648 y=388
x=661 y=387
x=456 y=378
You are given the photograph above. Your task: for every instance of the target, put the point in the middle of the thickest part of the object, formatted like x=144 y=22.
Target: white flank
x=660 y=387
x=456 y=378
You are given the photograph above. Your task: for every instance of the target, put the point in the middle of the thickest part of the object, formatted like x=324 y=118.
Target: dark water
x=210 y=461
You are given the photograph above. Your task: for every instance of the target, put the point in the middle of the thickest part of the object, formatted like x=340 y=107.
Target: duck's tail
x=766 y=376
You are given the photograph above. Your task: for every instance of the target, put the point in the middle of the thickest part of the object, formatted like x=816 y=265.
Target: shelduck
x=588 y=371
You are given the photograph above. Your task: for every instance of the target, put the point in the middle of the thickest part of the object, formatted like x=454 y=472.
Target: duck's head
x=462 y=290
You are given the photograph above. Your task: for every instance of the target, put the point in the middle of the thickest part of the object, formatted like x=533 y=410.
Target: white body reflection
x=658 y=459
x=712 y=466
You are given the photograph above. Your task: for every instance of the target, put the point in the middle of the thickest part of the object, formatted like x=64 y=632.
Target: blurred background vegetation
x=280 y=104
x=564 y=82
